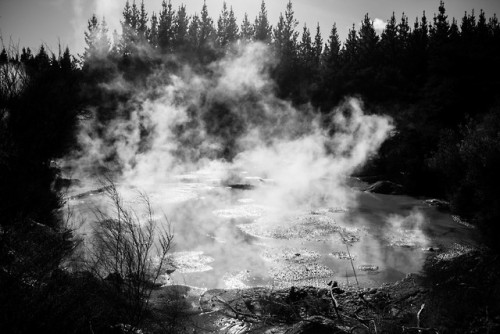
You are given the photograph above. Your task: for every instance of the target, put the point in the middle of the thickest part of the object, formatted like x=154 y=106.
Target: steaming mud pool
x=227 y=235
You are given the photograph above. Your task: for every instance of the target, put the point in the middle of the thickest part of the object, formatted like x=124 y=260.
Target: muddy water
x=227 y=237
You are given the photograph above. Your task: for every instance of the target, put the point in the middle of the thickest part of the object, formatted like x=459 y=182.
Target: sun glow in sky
x=52 y=22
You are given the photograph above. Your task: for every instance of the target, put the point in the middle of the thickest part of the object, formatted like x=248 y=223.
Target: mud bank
x=450 y=295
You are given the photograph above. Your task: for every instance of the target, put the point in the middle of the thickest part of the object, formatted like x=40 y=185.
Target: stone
x=385 y=187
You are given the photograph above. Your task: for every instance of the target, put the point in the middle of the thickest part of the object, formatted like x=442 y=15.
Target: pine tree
x=221 y=26
x=468 y=26
x=287 y=73
x=135 y=17
x=129 y=37
x=166 y=27
x=306 y=51
x=232 y=27
x=207 y=30
x=103 y=42
x=416 y=57
x=26 y=55
x=127 y=14
x=331 y=52
x=142 y=24
x=227 y=29
x=3 y=57
x=403 y=32
x=262 y=29
x=389 y=40
x=441 y=27
x=350 y=49
x=454 y=33
x=42 y=59
x=65 y=61
x=494 y=27
x=152 y=35
x=367 y=42
x=285 y=35
x=193 y=32
x=91 y=36
x=317 y=47
x=97 y=39
x=246 y=31
x=181 y=27
x=482 y=27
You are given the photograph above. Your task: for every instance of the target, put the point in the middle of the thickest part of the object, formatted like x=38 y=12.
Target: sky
x=31 y=23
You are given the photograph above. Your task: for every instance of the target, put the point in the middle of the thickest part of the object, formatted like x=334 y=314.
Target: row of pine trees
x=307 y=61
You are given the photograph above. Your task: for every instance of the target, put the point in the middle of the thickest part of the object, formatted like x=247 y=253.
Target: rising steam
x=230 y=119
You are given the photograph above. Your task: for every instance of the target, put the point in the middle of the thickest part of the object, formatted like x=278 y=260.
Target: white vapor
x=111 y=11
x=226 y=126
x=269 y=137
x=379 y=25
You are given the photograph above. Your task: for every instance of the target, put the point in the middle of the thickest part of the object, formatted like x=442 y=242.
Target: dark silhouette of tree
x=317 y=47
x=207 y=30
x=468 y=26
x=350 y=49
x=389 y=42
x=261 y=28
x=142 y=24
x=306 y=51
x=91 y=36
x=331 y=52
x=3 y=56
x=246 y=30
x=193 y=32
x=367 y=42
x=181 y=26
x=227 y=28
x=404 y=31
x=441 y=28
x=130 y=36
x=166 y=27
x=286 y=48
x=152 y=33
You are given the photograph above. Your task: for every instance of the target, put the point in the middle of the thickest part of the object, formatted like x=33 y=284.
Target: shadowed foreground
x=458 y=292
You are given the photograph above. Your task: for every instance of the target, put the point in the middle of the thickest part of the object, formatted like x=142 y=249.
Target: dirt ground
x=458 y=292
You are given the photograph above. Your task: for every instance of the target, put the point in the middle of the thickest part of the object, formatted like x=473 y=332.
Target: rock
x=385 y=187
x=241 y=186
x=368 y=267
x=439 y=204
x=431 y=249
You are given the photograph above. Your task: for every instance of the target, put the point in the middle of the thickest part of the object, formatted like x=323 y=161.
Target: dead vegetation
x=129 y=251
x=447 y=298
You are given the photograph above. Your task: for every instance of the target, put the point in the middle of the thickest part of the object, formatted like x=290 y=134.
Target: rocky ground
x=458 y=292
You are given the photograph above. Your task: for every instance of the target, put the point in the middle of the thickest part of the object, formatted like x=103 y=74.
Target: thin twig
x=335 y=303
x=418 y=314
x=247 y=315
x=350 y=257
x=420 y=329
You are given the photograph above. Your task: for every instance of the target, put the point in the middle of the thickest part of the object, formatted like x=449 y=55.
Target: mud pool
x=229 y=236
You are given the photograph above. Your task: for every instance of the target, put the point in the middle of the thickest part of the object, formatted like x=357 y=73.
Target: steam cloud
x=230 y=119
x=221 y=126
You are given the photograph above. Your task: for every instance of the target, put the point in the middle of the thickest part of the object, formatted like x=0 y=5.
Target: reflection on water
x=242 y=241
